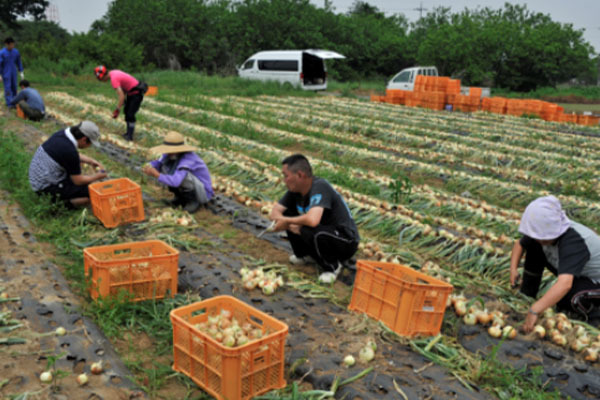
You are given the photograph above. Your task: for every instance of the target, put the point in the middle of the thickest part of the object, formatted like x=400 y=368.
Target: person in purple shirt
x=185 y=174
x=10 y=60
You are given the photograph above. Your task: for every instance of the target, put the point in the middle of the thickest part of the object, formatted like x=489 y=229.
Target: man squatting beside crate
x=30 y=101
x=182 y=171
x=55 y=168
x=316 y=218
x=130 y=91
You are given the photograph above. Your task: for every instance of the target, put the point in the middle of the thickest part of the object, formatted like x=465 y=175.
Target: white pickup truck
x=405 y=80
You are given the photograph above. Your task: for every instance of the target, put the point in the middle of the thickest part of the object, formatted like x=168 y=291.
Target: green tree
x=10 y=10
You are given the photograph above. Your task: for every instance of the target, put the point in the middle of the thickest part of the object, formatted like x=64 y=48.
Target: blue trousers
x=10 y=87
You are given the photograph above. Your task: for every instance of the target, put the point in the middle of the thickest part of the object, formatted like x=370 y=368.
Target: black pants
x=326 y=244
x=65 y=191
x=132 y=105
x=582 y=294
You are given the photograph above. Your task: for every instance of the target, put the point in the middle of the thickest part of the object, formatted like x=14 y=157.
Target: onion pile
x=227 y=330
x=555 y=327
x=171 y=217
x=267 y=281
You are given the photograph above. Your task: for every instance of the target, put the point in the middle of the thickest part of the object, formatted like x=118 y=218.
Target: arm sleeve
x=173 y=180
x=526 y=242
x=321 y=195
x=17 y=98
x=156 y=164
x=288 y=201
x=573 y=253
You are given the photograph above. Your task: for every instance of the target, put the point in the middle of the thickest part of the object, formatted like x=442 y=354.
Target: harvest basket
x=145 y=269
x=152 y=91
x=407 y=301
x=237 y=373
x=117 y=201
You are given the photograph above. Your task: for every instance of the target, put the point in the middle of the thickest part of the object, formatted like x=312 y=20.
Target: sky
x=78 y=15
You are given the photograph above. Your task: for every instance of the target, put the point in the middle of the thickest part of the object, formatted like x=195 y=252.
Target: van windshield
x=248 y=64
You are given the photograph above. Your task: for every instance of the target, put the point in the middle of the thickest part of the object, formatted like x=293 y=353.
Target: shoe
x=301 y=260
x=127 y=137
x=330 y=277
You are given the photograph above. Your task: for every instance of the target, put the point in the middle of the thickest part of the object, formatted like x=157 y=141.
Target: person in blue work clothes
x=10 y=60
x=30 y=101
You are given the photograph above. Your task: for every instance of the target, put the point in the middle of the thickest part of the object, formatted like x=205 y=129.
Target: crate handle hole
x=122 y=251
x=195 y=313
x=256 y=320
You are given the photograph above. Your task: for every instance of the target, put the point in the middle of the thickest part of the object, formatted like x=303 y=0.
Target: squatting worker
x=182 y=171
x=30 y=101
x=130 y=91
x=318 y=222
x=10 y=60
x=568 y=249
x=56 y=165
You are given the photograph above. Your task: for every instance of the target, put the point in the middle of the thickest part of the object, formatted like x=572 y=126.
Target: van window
x=248 y=64
x=403 y=77
x=278 y=65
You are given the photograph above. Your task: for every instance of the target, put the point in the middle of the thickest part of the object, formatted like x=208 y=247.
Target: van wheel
x=287 y=86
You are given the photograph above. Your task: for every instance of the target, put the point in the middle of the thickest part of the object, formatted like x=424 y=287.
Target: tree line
x=510 y=47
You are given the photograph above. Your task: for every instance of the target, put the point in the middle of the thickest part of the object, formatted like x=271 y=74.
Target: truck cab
x=405 y=79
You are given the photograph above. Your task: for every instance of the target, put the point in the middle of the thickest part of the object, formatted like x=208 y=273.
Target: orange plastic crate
x=232 y=373
x=117 y=201
x=152 y=91
x=407 y=301
x=20 y=112
x=145 y=269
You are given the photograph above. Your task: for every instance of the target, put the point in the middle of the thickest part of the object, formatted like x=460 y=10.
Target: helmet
x=100 y=71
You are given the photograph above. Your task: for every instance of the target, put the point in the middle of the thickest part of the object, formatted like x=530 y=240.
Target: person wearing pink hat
x=571 y=251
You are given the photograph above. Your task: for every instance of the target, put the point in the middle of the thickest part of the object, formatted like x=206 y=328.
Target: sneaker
x=330 y=277
x=301 y=260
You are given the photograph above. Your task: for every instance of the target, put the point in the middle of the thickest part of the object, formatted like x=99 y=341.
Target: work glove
x=22 y=74
x=116 y=113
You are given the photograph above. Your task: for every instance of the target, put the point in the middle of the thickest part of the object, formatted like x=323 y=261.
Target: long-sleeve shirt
x=8 y=60
x=189 y=162
x=32 y=97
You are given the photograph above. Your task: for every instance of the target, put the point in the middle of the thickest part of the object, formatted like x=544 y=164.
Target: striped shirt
x=55 y=160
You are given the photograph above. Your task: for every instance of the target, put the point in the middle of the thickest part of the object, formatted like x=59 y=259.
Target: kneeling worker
x=318 y=222
x=571 y=251
x=56 y=165
x=185 y=174
x=30 y=102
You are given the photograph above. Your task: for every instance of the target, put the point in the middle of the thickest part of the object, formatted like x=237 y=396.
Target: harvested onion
x=96 y=368
x=46 y=376
x=349 y=360
x=82 y=379
x=366 y=354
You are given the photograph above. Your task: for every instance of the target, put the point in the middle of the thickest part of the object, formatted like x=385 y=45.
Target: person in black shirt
x=318 y=222
x=55 y=168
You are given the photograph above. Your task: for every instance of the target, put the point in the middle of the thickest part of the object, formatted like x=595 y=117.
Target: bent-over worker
x=56 y=165
x=570 y=250
x=182 y=171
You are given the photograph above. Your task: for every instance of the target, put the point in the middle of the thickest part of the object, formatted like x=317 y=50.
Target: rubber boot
x=191 y=203
x=129 y=134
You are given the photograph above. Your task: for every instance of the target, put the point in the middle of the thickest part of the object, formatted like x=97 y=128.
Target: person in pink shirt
x=130 y=91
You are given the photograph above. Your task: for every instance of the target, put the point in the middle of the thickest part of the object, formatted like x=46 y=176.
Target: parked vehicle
x=301 y=68
x=405 y=79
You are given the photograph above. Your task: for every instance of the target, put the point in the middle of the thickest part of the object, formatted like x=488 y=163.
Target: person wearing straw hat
x=571 y=251
x=182 y=171
x=55 y=168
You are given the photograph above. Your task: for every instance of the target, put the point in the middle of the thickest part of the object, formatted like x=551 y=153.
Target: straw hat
x=173 y=143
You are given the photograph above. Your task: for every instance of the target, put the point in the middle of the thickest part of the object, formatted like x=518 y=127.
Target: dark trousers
x=132 y=105
x=582 y=296
x=326 y=244
x=65 y=191
x=30 y=112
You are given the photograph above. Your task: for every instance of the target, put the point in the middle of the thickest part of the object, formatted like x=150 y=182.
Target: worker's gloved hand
x=22 y=74
x=116 y=113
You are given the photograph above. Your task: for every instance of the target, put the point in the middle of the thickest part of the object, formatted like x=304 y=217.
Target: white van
x=301 y=68
x=405 y=79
